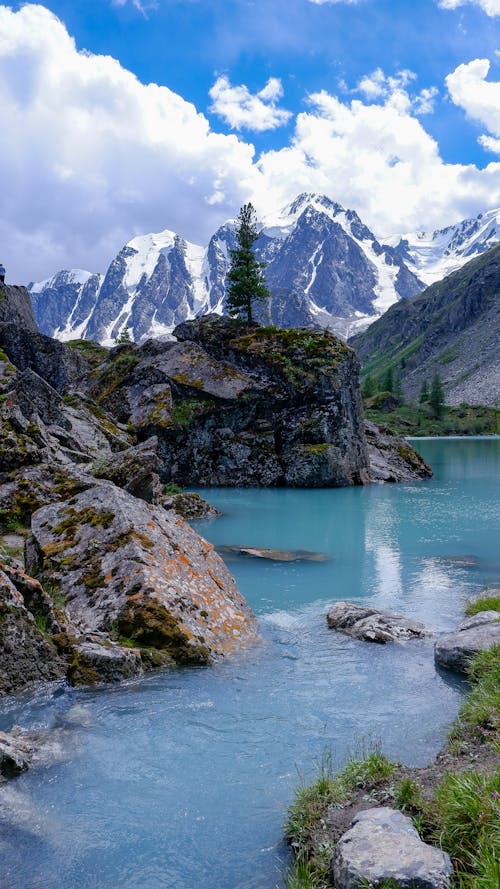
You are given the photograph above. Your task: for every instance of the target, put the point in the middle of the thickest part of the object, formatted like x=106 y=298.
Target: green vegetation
x=93 y=352
x=171 y=489
x=245 y=276
x=436 y=397
x=484 y=603
x=310 y=807
x=457 y=810
x=419 y=419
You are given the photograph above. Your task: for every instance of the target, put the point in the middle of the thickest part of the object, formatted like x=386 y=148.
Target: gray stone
x=382 y=844
x=373 y=624
x=477 y=620
x=392 y=458
x=127 y=566
x=95 y=663
x=456 y=650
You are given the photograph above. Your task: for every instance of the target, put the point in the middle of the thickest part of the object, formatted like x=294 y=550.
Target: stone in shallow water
x=382 y=844
x=275 y=555
x=373 y=624
x=455 y=650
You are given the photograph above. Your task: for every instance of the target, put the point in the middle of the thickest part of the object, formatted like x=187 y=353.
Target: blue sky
x=392 y=108
x=184 y=44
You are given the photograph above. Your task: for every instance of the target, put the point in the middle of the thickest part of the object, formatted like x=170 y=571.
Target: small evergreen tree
x=398 y=389
x=124 y=336
x=245 y=276
x=387 y=384
x=368 y=387
x=424 y=392
x=436 y=397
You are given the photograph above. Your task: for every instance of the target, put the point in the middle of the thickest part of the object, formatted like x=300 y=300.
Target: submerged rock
x=479 y=633
x=373 y=624
x=134 y=570
x=383 y=845
x=22 y=748
x=275 y=555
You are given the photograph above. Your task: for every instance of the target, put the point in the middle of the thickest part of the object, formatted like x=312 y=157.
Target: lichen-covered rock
x=383 y=845
x=373 y=624
x=50 y=359
x=141 y=573
x=93 y=663
x=26 y=654
x=189 y=505
x=134 y=469
x=392 y=459
x=456 y=650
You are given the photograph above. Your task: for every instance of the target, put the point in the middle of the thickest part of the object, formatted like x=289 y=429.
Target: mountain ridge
x=324 y=268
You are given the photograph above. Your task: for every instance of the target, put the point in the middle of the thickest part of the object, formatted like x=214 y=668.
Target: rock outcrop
x=134 y=570
x=373 y=624
x=239 y=406
x=26 y=654
x=92 y=444
x=383 y=845
x=478 y=633
x=391 y=458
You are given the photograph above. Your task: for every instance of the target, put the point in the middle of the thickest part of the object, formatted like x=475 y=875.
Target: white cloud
x=379 y=86
x=89 y=156
x=242 y=110
x=479 y=98
x=490 y=7
x=379 y=160
x=92 y=156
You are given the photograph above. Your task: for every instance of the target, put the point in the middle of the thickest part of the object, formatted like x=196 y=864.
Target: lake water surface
x=182 y=780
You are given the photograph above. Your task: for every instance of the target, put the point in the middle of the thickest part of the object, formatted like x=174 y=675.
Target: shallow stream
x=182 y=780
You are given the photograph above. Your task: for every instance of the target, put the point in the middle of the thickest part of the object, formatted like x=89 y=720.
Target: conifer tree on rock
x=245 y=276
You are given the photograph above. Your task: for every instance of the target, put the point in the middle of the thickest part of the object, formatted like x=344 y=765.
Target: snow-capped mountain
x=324 y=267
x=434 y=255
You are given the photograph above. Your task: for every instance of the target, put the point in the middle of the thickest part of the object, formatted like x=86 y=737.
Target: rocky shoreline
x=381 y=824
x=101 y=579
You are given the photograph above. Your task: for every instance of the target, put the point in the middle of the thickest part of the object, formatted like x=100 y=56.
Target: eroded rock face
x=26 y=655
x=479 y=633
x=133 y=569
x=372 y=624
x=382 y=844
x=391 y=458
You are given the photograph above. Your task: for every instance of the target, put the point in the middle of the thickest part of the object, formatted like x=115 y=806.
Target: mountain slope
x=452 y=328
x=324 y=267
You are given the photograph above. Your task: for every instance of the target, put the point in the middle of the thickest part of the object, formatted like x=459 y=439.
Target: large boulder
x=391 y=458
x=373 y=624
x=26 y=654
x=140 y=574
x=52 y=360
x=15 y=307
x=383 y=845
x=478 y=633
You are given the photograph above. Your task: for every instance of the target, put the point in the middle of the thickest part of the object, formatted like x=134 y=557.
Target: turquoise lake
x=182 y=780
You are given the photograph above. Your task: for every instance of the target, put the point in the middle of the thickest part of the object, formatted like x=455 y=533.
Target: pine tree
x=424 y=392
x=245 y=276
x=387 y=384
x=436 y=397
x=368 y=387
x=124 y=336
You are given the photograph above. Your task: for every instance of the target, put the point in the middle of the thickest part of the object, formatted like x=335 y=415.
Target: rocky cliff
x=453 y=329
x=100 y=578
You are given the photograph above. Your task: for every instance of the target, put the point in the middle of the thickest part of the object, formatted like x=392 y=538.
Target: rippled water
x=182 y=780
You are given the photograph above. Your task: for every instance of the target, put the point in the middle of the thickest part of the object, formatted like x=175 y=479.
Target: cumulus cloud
x=479 y=98
x=490 y=7
x=379 y=86
x=90 y=156
x=378 y=159
x=241 y=109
